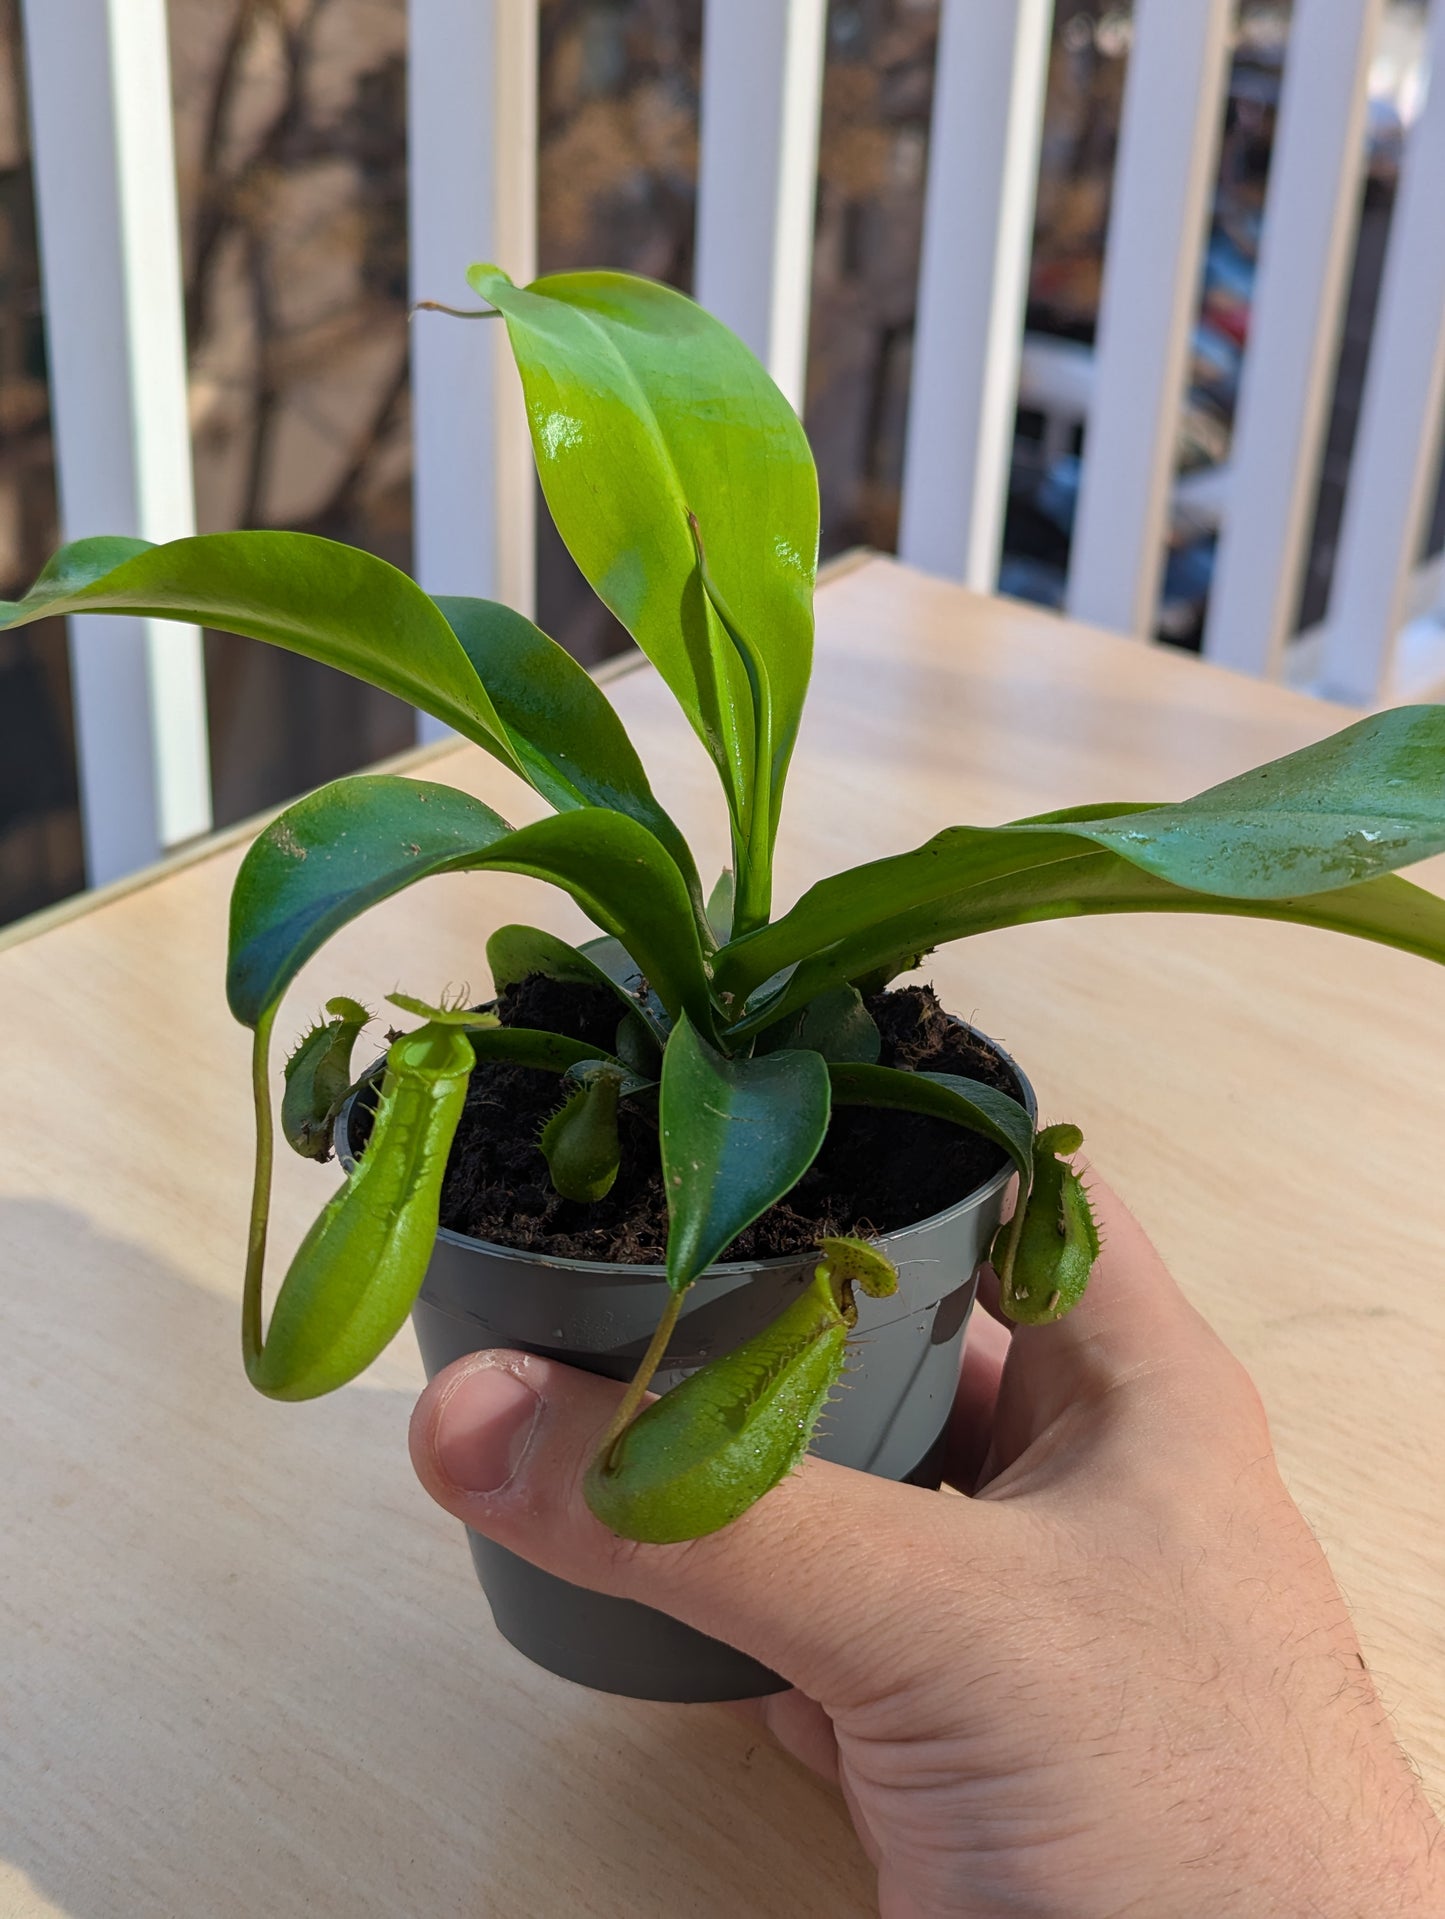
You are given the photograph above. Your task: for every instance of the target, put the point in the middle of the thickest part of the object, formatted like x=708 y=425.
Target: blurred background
x=291 y=158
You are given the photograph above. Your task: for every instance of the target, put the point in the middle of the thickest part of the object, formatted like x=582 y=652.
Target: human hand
x=1118 y=1678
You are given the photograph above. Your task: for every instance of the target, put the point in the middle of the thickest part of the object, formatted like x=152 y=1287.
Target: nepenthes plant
x=682 y=483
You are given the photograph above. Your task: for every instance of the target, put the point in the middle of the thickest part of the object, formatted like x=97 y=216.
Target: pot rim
x=777 y=1262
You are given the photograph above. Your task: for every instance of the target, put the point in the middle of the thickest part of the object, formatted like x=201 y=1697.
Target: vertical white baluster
x=101 y=125
x=1311 y=218
x=983 y=166
x=762 y=82
x=1163 y=178
x=472 y=147
x=1396 y=460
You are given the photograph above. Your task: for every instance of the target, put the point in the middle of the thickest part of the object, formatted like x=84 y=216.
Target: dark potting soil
x=878 y=1170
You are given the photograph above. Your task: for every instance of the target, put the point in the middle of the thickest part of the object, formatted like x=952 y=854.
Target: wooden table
x=231 y=1631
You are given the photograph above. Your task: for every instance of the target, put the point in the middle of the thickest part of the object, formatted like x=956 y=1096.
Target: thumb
x=502 y=1441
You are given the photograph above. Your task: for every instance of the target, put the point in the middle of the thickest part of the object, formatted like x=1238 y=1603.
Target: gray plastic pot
x=902 y=1370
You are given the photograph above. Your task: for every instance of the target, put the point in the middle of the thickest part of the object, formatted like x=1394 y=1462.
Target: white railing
x=1163 y=178
x=762 y=88
x=106 y=200
x=105 y=188
x=1296 y=315
x=1397 y=455
x=472 y=180
x=983 y=167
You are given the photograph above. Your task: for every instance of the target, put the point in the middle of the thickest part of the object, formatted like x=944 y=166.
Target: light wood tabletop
x=246 y=1668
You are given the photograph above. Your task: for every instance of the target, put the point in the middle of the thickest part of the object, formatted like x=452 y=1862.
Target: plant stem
x=752 y=902
x=457 y=313
x=753 y=905
x=753 y=851
x=632 y=1399
x=260 y=1191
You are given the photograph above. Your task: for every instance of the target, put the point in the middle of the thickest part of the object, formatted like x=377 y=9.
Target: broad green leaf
x=478 y=666
x=720 y=905
x=736 y=1135
x=613 y=958
x=856 y=919
x=561 y=726
x=1306 y=838
x=836 y=1024
x=1048 y=886
x=312 y=596
x=628 y=380
x=360 y=840
x=639 y=1046
x=630 y=1082
x=534 y=1046
x=966 y=1102
x=515 y=952
x=1367 y=800
x=326 y=859
x=864 y=918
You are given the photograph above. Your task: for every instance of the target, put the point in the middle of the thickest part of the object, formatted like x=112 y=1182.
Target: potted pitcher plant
x=720 y=1150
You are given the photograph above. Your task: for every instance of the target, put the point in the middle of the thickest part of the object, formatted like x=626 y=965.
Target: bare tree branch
x=267 y=391
x=224 y=197
x=343 y=495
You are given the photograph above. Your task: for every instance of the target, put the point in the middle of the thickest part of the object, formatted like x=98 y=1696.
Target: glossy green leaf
x=312 y=596
x=1389 y=911
x=965 y=1102
x=478 y=666
x=859 y=919
x=720 y=905
x=975 y=880
x=329 y=857
x=360 y=840
x=836 y=1024
x=736 y=1135
x=613 y=958
x=562 y=728
x=627 y=379
x=1304 y=838
x=1361 y=803
x=639 y=1046
x=516 y=952
x=630 y=1082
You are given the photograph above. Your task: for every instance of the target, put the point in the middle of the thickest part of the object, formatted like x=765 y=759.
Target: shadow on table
x=245 y=1667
